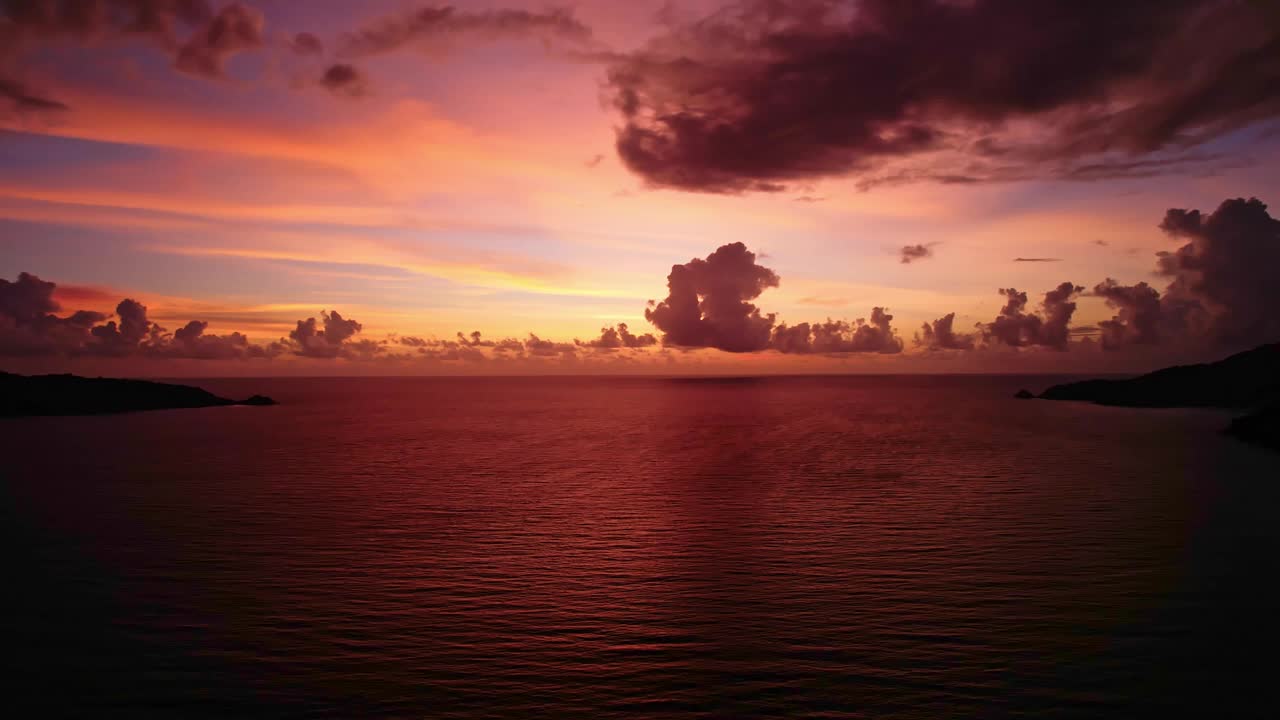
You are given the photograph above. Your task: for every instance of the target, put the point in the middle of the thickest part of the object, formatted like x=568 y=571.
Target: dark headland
x=1248 y=381
x=23 y=395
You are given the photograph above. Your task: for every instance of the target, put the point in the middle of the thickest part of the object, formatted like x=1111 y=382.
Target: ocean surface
x=915 y=547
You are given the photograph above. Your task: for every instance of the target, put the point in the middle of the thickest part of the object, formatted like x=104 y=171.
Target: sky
x=195 y=187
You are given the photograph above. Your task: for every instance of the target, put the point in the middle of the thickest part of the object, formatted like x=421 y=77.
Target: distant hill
x=22 y=395
x=1248 y=379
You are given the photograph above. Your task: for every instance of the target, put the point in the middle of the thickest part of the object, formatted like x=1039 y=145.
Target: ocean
x=860 y=546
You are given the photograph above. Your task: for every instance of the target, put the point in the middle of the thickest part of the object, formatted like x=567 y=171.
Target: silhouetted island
x=1250 y=379
x=22 y=395
x=1245 y=380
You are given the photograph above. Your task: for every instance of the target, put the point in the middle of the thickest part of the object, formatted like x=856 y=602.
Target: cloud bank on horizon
x=1221 y=294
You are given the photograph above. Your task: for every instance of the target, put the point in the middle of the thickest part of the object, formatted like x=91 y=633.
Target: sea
x=553 y=547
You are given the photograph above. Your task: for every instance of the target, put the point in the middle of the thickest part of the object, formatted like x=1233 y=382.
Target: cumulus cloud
x=708 y=305
x=839 y=336
x=762 y=93
x=911 y=253
x=708 y=302
x=191 y=341
x=613 y=338
x=235 y=28
x=323 y=339
x=1017 y=328
x=941 y=335
x=538 y=347
x=1222 y=281
x=1221 y=289
x=437 y=28
x=30 y=326
x=124 y=338
x=1138 y=318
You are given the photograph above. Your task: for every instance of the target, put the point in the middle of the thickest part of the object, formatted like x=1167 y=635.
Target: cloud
x=344 y=79
x=1036 y=259
x=940 y=335
x=1017 y=328
x=235 y=28
x=438 y=28
x=28 y=325
x=124 y=338
x=312 y=341
x=1138 y=319
x=87 y=20
x=189 y=341
x=762 y=93
x=1223 y=280
x=707 y=303
x=835 y=337
x=30 y=25
x=538 y=347
x=708 y=306
x=911 y=253
x=304 y=43
x=211 y=38
x=613 y=338
x=17 y=99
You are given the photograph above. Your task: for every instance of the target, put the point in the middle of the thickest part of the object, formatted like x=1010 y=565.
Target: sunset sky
x=534 y=172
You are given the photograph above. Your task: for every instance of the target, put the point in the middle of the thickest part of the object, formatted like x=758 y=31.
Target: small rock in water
x=259 y=400
x=1024 y=394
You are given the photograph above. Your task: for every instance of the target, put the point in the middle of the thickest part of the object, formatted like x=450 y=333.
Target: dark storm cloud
x=1017 y=328
x=436 y=28
x=344 y=79
x=1222 y=288
x=1223 y=280
x=941 y=335
x=235 y=28
x=911 y=253
x=1138 y=317
x=707 y=303
x=614 y=338
x=763 y=93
